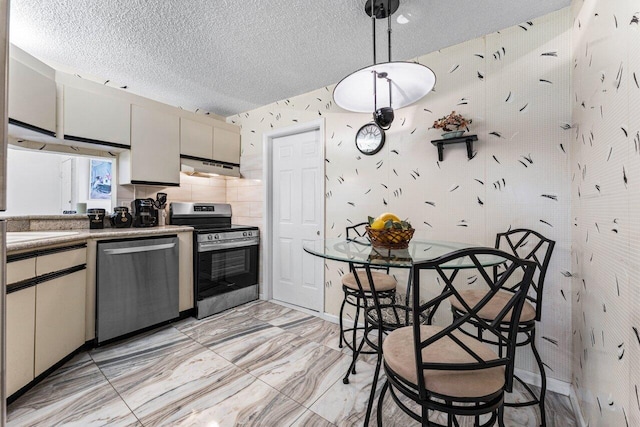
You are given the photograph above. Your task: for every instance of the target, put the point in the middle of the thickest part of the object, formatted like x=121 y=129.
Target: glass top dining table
x=359 y=251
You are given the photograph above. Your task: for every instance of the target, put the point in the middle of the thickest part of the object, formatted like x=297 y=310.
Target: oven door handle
x=138 y=249
x=204 y=247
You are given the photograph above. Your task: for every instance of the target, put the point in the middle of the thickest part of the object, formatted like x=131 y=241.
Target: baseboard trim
x=554 y=385
x=295 y=307
x=575 y=405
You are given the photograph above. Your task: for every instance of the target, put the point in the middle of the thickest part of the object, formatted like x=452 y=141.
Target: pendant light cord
x=389 y=27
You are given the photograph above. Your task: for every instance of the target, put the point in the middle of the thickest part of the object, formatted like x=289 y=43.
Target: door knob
x=318 y=232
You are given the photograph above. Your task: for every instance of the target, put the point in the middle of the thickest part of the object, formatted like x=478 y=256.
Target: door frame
x=267 y=178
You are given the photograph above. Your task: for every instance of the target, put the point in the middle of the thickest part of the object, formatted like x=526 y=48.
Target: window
x=44 y=183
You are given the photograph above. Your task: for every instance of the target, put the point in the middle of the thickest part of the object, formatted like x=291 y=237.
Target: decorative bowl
x=390 y=238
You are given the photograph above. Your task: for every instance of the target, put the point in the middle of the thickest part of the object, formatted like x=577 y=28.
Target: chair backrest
x=532 y=246
x=357 y=230
x=474 y=264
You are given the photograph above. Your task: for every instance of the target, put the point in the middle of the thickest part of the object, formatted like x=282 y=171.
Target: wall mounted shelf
x=467 y=139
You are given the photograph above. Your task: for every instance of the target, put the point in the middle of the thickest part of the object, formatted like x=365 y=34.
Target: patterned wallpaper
x=605 y=184
x=514 y=84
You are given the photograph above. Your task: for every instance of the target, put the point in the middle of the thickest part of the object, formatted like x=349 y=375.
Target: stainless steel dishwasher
x=137 y=285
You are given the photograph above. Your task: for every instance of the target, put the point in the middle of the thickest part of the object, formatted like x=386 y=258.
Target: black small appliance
x=96 y=218
x=120 y=218
x=144 y=213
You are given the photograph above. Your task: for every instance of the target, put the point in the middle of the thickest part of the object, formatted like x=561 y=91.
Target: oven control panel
x=227 y=240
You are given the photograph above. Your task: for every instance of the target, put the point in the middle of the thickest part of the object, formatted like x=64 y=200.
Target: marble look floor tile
x=180 y=373
x=252 y=355
x=315 y=329
x=230 y=329
x=76 y=394
x=346 y=404
x=305 y=378
x=239 y=401
x=141 y=351
x=311 y=419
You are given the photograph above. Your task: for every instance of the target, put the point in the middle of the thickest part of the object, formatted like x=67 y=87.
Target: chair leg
x=374 y=384
x=355 y=330
x=425 y=417
x=352 y=366
x=501 y=416
x=543 y=388
x=381 y=401
x=344 y=301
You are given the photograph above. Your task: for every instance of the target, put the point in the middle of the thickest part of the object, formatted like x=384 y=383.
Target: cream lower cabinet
x=46 y=304
x=21 y=314
x=59 y=319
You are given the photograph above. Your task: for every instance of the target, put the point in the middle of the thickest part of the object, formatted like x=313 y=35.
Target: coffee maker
x=144 y=213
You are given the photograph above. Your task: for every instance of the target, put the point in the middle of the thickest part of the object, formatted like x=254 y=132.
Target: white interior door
x=298 y=217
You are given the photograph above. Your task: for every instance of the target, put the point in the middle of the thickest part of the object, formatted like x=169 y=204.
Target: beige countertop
x=29 y=240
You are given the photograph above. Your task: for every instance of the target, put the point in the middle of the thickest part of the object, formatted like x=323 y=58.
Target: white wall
x=515 y=86
x=605 y=176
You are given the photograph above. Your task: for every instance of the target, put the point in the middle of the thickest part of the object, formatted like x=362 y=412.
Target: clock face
x=370 y=139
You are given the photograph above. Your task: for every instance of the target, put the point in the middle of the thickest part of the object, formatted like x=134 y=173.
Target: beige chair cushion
x=382 y=281
x=493 y=307
x=398 y=353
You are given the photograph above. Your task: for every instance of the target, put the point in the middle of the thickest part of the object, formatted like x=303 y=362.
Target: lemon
x=378 y=224
x=388 y=216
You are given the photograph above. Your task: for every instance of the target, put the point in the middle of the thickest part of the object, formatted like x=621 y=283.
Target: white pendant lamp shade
x=409 y=83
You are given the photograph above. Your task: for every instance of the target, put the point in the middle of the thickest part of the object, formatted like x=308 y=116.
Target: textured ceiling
x=227 y=56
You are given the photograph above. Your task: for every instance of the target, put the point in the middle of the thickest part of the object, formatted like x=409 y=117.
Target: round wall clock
x=370 y=139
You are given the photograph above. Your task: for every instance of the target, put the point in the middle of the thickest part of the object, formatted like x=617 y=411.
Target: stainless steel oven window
x=230 y=263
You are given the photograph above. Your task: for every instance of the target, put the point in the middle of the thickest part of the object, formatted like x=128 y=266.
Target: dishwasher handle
x=137 y=249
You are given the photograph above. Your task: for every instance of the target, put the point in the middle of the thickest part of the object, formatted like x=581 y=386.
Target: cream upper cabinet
x=226 y=145
x=209 y=142
x=196 y=139
x=32 y=97
x=21 y=308
x=96 y=118
x=154 y=158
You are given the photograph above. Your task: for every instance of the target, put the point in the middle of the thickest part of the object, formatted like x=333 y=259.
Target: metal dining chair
x=356 y=286
x=439 y=367
x=528 y=245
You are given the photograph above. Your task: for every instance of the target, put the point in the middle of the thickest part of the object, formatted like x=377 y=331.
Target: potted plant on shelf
x=451 y=125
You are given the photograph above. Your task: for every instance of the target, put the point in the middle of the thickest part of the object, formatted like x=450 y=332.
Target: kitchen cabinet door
x=20 y=270
x=226 y=146
x=32 y=98
x=21 y=308
x=97 y=118
x=154 y=158
x=65 y=259
x=196 y=139
x=59 y=319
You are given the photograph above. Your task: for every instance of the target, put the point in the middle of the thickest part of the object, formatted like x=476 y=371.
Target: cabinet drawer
x=23 y=269
x=60 y=317
x=60 y=261
x=21 y=307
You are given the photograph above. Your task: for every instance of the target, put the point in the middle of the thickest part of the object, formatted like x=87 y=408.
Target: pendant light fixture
x=383 y=87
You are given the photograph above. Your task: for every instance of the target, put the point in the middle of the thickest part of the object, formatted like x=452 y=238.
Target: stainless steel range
x=225 y=256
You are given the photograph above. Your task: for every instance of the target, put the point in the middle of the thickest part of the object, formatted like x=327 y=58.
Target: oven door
x=225 y=270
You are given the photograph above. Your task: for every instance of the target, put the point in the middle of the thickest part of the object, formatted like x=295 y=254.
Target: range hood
x=192 y=166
